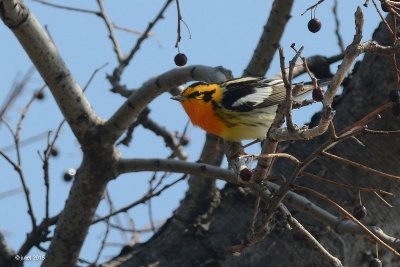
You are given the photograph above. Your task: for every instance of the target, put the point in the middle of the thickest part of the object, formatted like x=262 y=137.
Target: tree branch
x=293 y=199
x=270 y=38
x=5 y=251
x=352 y=51
x=171 y=165
x=44 y=54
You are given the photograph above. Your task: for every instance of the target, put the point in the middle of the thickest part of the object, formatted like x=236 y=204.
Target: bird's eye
x=194 y=94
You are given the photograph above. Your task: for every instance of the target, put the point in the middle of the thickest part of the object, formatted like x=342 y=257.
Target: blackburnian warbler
x=237 y=109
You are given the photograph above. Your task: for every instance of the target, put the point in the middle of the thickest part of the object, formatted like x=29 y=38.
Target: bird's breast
x=204 y=116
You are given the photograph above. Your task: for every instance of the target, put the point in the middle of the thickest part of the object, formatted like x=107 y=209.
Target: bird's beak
x=178 y=97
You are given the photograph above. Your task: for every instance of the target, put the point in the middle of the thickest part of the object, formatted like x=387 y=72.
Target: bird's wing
x=246 y=94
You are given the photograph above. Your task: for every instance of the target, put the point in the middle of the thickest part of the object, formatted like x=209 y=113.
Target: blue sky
x=222 y=33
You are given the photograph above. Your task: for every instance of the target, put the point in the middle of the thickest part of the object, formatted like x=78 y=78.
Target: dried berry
x=317 y=94
x=359 y=212
x=39 y=95
x=245 y=174
x=180 y=59
x=396 y=109
x=375 y=262
x=54 y=152
x=69 y=175
x=185 y=140
x=394 y=96
x=314 y=25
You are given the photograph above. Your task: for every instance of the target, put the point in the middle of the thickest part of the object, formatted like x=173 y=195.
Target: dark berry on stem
x=54 y=152
x=39 y=95
x=394 y=96
x=67 y=177
x=314 y=25
x=245 y=174
x=359 y=212
x=375 y=262
x=396 y=109
x=180 y=59
x=185 y=140
x=317 y=94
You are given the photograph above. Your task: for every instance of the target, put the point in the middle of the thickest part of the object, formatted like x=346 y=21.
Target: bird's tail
x=301 y=90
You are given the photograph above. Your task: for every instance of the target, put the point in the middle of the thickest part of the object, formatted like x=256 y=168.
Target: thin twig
x=254 y=217
x=11 y=192
x=337 y=26
x=111 y=34
x=360 y=166
x=383 y=200
x=347 y=186
x=381 y=133
x=312 y=7
x=382 y=18
x=114 y=79
x=93 y=75
x=348 y=215
x=149 y=206
x=141 y=200
x=67 y=7
x=46 y=160
x=314 y=242
x=103 y=241
x=178 y=38
x=15 y=91
x=271 y=156
x=27 y=141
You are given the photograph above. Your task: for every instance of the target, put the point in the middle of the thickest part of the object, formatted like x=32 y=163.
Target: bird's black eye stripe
x=207 y=95
x=194 y=94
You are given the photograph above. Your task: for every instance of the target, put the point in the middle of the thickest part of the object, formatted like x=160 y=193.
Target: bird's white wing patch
x=255 y=98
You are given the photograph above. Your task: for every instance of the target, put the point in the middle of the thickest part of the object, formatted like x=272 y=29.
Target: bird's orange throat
x=203 y=115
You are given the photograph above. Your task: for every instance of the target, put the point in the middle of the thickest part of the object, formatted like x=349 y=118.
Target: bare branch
x=337 y=26
x=67 y=7
x=170 y=139
x=338 y=223
x=332 y=260
x=351 y=53
x=347 y=186
x=170 y=165
x=110 y=28
x=361 y=166
x=26 y=141
x=116 y=76
x=5 y=251
x=141 y=200
x=347 y=214
x=270 y=38
x=15 y=91
x=43 y=53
